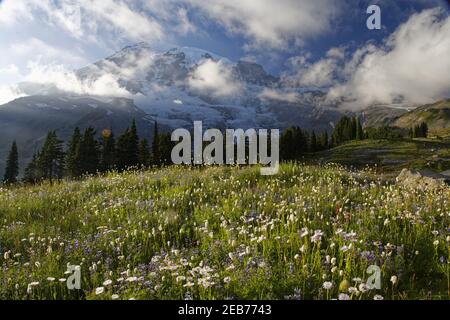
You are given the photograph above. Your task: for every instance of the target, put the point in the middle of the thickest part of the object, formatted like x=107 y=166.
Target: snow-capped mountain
x=183 y=84
x=173 y=86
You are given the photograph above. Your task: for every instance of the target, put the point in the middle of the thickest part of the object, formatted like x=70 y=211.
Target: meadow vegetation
x=309 y=232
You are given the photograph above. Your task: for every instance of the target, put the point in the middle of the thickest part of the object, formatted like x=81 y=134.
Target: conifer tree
x=144 y=153
x=324 y=143
x=165 y=148
x=108 y=151
x=133 y=145
x=127 y=148
x=51 y=158
x=156 y=156
x=122 y=150
x=313 y=143
x=87 y=156
x=72 y=165
x=12 y=165
x=424 y=129
x=359 y=130
x=32 y=173
x=293 y=143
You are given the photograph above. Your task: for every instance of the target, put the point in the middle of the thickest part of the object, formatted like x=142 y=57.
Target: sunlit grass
x=309 y=232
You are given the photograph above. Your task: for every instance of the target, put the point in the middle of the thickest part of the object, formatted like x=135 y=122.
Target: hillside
x=309 y=232
x=27 y=120
x=436 y=115
x=384 y=115
x=391 y=155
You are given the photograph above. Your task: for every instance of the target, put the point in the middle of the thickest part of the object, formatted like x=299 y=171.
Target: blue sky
x=279 y=34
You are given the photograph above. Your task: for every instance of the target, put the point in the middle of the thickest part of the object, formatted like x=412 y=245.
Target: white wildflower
x=99 y=290
x=327 y=285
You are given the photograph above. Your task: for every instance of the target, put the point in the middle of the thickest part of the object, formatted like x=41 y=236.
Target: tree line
x=85 y=154
x=419 y=131
x=296 y=142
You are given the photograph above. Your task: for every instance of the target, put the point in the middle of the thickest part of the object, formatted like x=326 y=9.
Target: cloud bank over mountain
x=412 y=65
x=57 y=37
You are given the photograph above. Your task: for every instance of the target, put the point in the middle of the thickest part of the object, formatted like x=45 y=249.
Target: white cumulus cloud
x=215 y=78
x=274 y=23
x=412 y=65
x=57 y=76
x=272 y=94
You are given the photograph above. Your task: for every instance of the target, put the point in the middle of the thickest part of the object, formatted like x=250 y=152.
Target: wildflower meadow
x=310 y=232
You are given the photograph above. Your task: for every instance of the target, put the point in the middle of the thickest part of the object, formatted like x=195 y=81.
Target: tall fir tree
x=324 y=142
x=313 y=142
x=32 y=172
x=51 y=158
x=144 y=153
x=345 y=130
x=88 y=154
x=127 y=148
x=165 y=148
x=424 y=130
x=108 y=151
x=293 y=143
x=359 y=130
x=72 y=165
x=156 y=154
x=12 y=165
x=133 y=147
x=122 y=150
x=354 y=128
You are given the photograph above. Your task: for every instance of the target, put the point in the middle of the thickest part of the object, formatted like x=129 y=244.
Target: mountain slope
x=382 y=115
x=27 y=120
x=436 y=115
x=161 y=85
x=174 y=87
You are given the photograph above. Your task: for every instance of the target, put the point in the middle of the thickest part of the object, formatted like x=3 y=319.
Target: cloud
x=274 y=23
x=322 y=73
x=123 y=17
x=13 y=11
x=10 y=69
x=214 y=78
x=9 y=93
x=41 y=50
x=412 y=65
x=272 y=94
x=57 y=76
x=318 y=74
x=132 y=65
x=141 y=20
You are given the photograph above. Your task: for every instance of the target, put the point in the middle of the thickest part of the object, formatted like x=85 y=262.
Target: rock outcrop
x=423 y=180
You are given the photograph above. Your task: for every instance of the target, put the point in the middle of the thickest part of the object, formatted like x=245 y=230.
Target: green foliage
x=165 y=148
x=12 y=165
x=50 y=161
x=225 y=232
x=144 y=153
x=419 y=131
x=293 y=144
x=72 y=164
x=386 y=132
x=347 y=129
x=32 y=172
x=156 y=153
x=108 y=156
x=127 y=148
x=87 y=155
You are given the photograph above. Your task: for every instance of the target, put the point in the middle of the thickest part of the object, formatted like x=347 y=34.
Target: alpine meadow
x=216 y=152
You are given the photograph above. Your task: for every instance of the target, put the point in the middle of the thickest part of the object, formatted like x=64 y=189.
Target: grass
x=309 y=232
x=392 y=155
